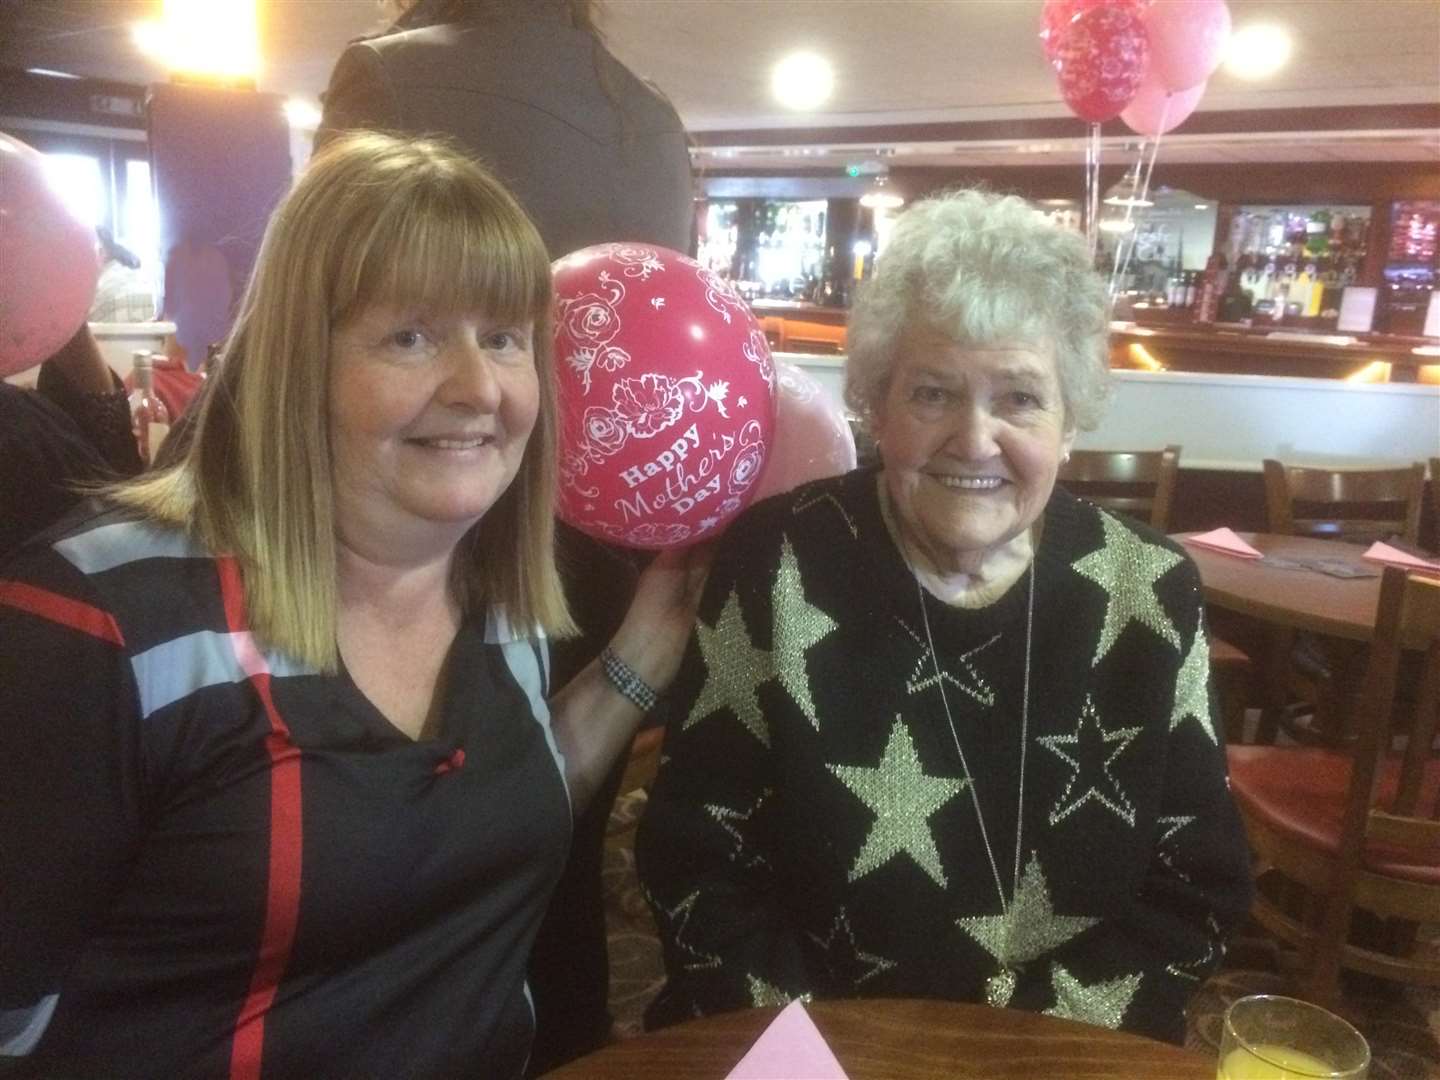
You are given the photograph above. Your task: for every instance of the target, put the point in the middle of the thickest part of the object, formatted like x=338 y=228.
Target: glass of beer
x=1267 y=1037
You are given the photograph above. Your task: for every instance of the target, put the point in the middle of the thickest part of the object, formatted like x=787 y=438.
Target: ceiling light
x=881 y=196
x=217 y=39
x=1257 y=51
x=1202 y=206
x=802 y=81
x=1116 y=225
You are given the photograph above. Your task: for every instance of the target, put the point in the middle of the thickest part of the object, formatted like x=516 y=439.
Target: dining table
x=902 y=1039
x=1290 y=597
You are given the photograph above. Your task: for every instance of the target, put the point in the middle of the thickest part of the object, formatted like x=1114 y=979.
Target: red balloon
x=812 y=437
x=1055 y=16
x=1101 y=58
x=1154 y=110
x=1187 y=40
x=667 y=396
x=49 y=262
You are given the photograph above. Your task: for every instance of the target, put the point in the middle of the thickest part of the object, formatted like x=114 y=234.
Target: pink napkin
x=1224 y=541
x=791 y=1048
x=1384 y=553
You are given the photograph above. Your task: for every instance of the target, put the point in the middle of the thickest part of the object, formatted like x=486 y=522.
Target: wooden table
x=1295 y=599
x=903 y=1040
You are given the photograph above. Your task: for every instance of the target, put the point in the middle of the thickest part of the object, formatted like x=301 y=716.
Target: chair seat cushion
x=1300 y=792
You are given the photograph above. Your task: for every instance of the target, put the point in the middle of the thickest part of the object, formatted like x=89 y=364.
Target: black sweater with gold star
x=811 y=831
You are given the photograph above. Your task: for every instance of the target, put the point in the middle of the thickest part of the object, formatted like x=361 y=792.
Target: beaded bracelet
x=623 y=677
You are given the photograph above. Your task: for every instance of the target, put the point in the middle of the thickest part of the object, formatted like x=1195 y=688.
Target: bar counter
x=1235 y=349
x=1174 y=345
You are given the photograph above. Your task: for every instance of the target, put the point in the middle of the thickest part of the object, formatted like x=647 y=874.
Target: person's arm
x=592 y=720
x=70 y=772
x=709 y=849
x=78 y=380
x=360 y=95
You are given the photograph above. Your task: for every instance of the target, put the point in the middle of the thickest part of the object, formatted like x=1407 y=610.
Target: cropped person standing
x=595 y=155
x=944 y=730
x=301 y=811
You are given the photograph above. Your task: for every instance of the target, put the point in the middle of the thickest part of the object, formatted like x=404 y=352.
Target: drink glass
x=1268 y=1037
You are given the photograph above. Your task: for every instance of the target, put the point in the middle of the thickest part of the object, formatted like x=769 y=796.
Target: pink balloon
x=49 y=262
x=1154 y=110
x=812 y=437
x=1055 y=16
x=1101 y=57
x=667 y=396
x=1187 y=40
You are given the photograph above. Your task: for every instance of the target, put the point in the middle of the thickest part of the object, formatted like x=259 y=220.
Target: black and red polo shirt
x=216 y=862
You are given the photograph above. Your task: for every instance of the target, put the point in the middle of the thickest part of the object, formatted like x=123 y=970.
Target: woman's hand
x=652 y=638
x=592 y=720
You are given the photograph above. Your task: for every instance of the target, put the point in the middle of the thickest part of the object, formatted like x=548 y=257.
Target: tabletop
x=1301 y=599
x=880 y=1039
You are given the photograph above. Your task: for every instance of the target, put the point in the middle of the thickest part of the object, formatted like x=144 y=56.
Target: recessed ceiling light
x=1257 y=51
x=802 y=80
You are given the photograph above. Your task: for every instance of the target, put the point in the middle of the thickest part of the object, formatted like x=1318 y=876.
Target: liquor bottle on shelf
x=1212 y=283
x=149 y=418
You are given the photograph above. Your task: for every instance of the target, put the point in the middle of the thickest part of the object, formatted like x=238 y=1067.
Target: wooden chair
x=1140 y=483
x=1357 y=828
x=1312 y=676
x=1345 y=504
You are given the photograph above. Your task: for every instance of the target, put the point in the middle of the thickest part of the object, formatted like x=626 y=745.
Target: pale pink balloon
x=812 y=437
x=49 y=262
x=1187 y=40
x=1154 y=110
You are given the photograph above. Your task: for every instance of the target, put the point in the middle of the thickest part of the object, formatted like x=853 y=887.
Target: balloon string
x=1139 y=192
x=1092 y=190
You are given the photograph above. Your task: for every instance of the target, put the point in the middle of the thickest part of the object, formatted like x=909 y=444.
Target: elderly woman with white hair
x=942 y=729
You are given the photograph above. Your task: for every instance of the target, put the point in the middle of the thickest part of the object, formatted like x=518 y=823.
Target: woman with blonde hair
x=284 y=792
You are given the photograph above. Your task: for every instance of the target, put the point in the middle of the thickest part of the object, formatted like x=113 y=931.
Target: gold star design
x=1127 y=569
x=678 y=919
x=1192 y=688
x=1029 y=928
x=763 y=993
x=846 y=961
x=798 y=626
x=731 y=821
x=734 y=670
x=815 y=499
x=1195 y=970
x=902 y=798
x=1091 y=745
x=1102 y=1003
x=923 y=676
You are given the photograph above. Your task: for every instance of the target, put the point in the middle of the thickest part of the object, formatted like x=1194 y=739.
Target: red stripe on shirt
x=63 y=610
x=282 y=900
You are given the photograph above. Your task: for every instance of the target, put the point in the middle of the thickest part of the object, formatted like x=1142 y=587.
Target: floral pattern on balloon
x=1099 y=60
x=667 y=398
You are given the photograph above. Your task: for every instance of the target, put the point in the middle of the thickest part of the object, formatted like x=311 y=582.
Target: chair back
x=1406 y=817
x=1140 y=483
x=1345 y=504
